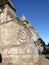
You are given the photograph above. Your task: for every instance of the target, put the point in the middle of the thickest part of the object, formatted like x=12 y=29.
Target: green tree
x=41 y=42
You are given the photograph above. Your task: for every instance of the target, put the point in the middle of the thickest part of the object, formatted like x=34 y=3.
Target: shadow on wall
x=0 y=58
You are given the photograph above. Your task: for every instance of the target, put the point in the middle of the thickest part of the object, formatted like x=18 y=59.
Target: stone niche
x=16 y=43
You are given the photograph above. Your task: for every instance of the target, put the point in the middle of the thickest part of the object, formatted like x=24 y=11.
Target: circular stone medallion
x=24 y=36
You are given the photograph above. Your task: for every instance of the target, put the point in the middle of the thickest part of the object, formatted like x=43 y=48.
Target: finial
x=23 y=18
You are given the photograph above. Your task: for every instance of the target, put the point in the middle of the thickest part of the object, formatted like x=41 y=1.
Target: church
x=17 y=37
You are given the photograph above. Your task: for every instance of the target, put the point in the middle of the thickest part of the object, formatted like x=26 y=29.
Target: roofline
x=10 y=4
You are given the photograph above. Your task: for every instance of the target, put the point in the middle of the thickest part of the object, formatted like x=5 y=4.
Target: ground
x=42 y=60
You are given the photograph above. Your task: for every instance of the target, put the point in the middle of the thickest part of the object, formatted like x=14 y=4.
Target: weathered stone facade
x=16 y=41
x=31 y=28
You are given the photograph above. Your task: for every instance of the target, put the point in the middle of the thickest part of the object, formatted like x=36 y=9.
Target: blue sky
x=37 y=13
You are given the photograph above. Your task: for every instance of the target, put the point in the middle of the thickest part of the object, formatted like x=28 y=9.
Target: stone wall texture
x=16 y=41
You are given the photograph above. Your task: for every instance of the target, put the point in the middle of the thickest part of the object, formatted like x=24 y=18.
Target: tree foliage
x=41 y=42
